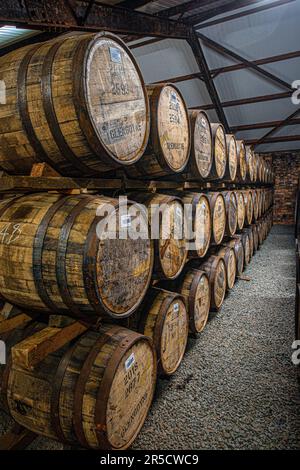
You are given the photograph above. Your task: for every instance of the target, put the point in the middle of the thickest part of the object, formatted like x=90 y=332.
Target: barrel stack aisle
x=91 y=317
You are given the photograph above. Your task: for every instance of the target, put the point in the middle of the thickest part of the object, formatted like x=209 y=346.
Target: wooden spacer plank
x=17 y=438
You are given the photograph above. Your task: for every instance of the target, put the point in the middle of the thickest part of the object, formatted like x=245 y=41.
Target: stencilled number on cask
x=10 y=233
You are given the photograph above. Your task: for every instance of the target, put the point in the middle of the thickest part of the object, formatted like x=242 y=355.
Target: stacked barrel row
x=79 y=103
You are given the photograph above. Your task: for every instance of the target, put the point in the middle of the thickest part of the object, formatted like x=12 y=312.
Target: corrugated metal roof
x=11 y=34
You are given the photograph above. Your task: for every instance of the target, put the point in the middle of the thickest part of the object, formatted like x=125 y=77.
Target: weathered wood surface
x=200 y=215
x=201 y=156
x=18 y=438
x=215 y=268
x=238 y=248
x=242 y=164
x=232 y=159
x=231 y=205
x=219 y=151
x=249 y=207
x=169 y=144
x=229 y=257
x=218 y=216
x=166 y=217
x=95 y=392
x=163 y=317
x=241 y=209
x=250 y=164
x=77 y=102
x=11 y=317
x=52 y=258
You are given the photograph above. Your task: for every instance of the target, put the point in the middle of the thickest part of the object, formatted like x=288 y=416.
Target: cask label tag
x=129 y=362
x=115 y=55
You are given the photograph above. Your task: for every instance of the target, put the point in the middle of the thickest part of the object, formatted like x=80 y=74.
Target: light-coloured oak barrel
x=198 y=215
x=166 y=218
x=218 y=216
x=76 y=102
x=231 y=205
x=62 y=254
x=228 y=255
x=96 y=391
x=250 y=164
x=215 y=268
x=237 y=245
x=241 y=209
x=249 y=232
x=248 y=206
x=169 y=144
x=194 y=287
x=219 y=151
x=201 y=156
x=232 y=160
x=163 y=317
x=255 y=169
x=242 y=164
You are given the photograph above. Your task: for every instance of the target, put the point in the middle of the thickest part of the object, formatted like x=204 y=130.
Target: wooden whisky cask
x=163 y=317
x=166 y=218
x=201 y=156
x=232 y=160
x=198 y=216
x=215 y=268
x=241 y=209
x=260 y=202
x=238 y=248
x=249 y=207
x=228 y=255
x=77 y=103
x=95 y=392
x=194 y=287
x=169 y=144
x=219 y=151
x=242 y=164
x=255 y=237
x=249 y=164
x=218 y=216
x=255 y=204
x=231 y=205
x=246 y=245
x=65 y=255
x=251 y=241
x=255 y=175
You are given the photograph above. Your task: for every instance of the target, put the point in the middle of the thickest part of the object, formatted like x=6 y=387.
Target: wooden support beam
x=225 y=51
x=11 y=317
x=236 y=16
x=280 y=125
x=57 y=15
x=32 y=350
x=245 y=101
x=204 y=69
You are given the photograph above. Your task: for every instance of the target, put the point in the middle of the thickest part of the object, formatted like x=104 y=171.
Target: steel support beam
x=58 y=15
x=218 y=9
x=280 y=125
x=272 y=140
x=204 y=69
x=263 y=125
x=225 y=51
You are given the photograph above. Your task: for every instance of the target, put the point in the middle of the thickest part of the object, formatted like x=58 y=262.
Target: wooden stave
x=105 y=161
x=226 y=253
x=241 y=205
x=242 y=168
x=237 y=245
x=213 y=198
x=231 y=168
x=210 y=266
x=147 y=199
x=228 y=195
x=192 y=170
x=215 y=127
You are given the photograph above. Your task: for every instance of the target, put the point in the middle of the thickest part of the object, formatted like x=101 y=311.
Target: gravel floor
x=236 y=387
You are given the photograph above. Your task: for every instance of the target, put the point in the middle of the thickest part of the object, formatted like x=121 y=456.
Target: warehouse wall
x=287 y=174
